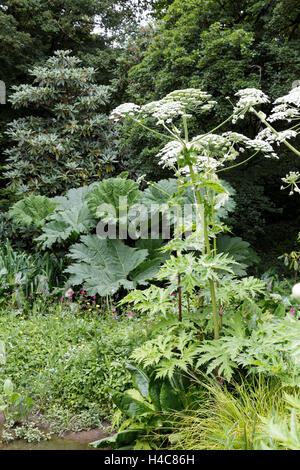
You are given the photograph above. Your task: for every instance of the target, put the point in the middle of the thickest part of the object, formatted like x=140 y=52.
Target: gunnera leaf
x=102 y=266
x=32 y=210
x=116 y=193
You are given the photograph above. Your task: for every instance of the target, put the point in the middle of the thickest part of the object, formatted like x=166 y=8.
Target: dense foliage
x=150 y=225
x=73 y=129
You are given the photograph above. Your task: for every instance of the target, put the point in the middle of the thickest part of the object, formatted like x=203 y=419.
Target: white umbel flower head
x=287 y=107
x=278 y=137
x=169 y=154
x=123 y=110
x=248 y=97
x=293 y=97
x=296 y=291
x=164 y=111
x=178 y=103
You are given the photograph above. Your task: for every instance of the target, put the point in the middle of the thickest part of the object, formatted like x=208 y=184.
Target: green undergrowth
x=68 y=364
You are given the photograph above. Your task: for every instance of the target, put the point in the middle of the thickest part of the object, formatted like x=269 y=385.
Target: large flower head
x=287 y=107
x=249 y=97
x=178 y=103
x=163 y=111
x=174 y=105
x=190 y=98
x=123 y=110
x=258 y=144
x=170 y=153
x=278 y=137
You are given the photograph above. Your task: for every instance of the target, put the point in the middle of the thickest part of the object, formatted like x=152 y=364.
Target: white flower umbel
x=293 y=97
x=164 y=111
x=284 y=112
x=262 y=146
x=292 y=180
x=178 y=103
x=269 y=136
x=288 y=106
x=258 y=144
x=249 y=97
x=296 y=291
x=169 y=154
x=211 y=143
x=190 y=98
x=123 y=110
x=204 y=165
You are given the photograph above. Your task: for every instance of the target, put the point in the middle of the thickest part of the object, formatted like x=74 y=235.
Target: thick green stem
x=201 y=210
x=212 y=286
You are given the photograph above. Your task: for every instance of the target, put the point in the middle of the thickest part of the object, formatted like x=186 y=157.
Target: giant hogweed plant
x=196 y=162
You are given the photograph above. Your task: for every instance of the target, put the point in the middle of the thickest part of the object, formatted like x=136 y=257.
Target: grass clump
x=230 y=418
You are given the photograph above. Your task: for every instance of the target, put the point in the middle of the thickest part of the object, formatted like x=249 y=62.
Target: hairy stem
x=201 y=210
x=179 y=299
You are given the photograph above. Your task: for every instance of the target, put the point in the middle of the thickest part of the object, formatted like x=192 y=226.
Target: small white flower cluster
x=292 y=180
x=284 y=112
x=288 y=106
x=123 y=110
x=262 y=146
x=256 y=144
x=203 y=165
x=249 y=97
x=278 y=137
x=164 y=111
x=178 y=103
x=210 y=142
x=211 y=151
x=204 y=149
x=214 y=145
x=208 y=163
x=169 y=154
x=190 y=98
x=293 y=97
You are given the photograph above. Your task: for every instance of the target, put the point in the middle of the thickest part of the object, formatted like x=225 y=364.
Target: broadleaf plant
x=103 y=266
x=32 y=210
